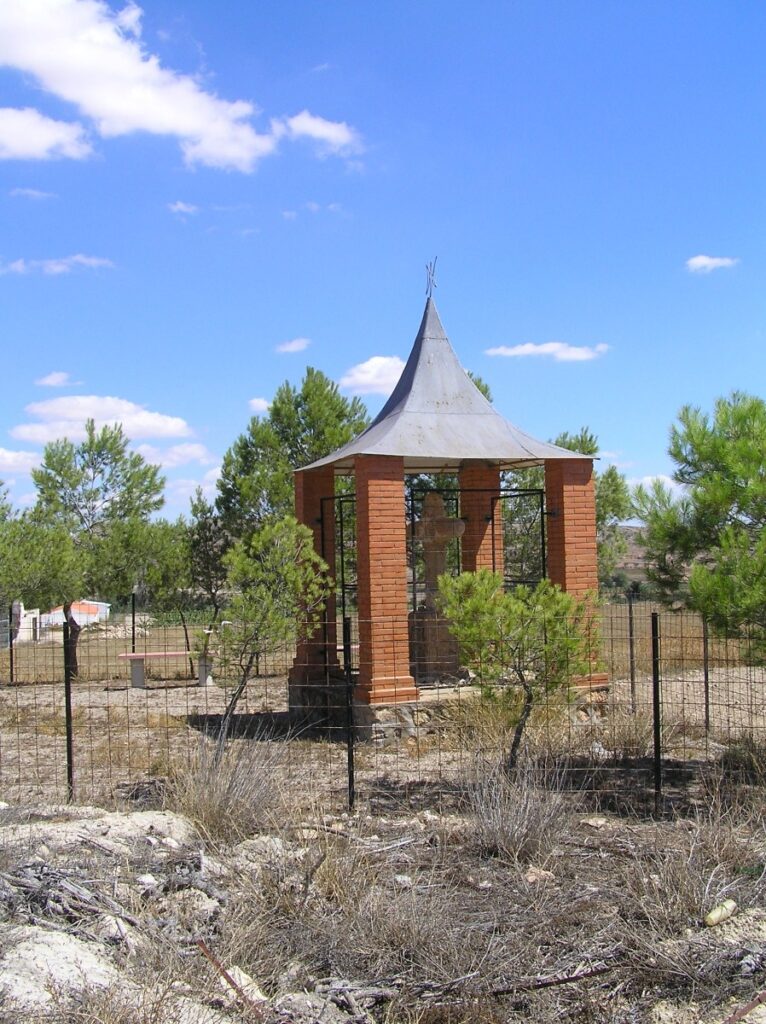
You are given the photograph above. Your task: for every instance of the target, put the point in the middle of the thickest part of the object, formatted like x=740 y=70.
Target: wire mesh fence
x=652 y=718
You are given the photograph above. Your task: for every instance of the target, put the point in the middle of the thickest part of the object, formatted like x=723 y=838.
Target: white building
x=85 y=612
x=25 y=623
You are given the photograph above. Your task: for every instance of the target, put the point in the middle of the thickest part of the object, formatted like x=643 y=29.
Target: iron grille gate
x=524 y=545
x=342 y=507
x=524 y=539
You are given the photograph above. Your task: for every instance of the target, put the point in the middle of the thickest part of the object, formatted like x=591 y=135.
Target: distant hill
x=633 y=562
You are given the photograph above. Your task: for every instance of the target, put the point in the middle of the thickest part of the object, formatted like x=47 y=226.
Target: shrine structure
x=436 y=421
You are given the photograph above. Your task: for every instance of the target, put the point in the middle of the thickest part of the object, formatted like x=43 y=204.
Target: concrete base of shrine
x=321 y=698
x=404 y=710
x=389 y=724
x=318 y=698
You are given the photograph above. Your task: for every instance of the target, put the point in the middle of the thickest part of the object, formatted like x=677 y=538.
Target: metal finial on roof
x=431 y=277
x=436 y=418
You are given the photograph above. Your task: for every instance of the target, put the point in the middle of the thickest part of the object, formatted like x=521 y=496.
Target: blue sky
x=198 y=200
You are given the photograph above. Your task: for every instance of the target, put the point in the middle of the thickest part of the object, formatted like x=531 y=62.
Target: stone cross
x=436 y=529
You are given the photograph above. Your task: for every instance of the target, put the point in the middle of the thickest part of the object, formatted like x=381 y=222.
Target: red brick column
x=570 y=500
x=570 y=505
x=481 y=546
x=384 y=648
x=320 y=650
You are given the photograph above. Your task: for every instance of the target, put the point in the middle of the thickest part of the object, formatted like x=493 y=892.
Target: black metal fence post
x=657 y=713
x=10 y=643
x=349 y=712
x=68 y=714
x=133 y=623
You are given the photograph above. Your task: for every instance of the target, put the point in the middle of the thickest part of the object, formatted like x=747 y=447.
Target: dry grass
x=440 y=908
x=235 y=795
x=42 y=720
x=99 y=651
x=361 y=905
x=745 y=760
x=157 y=1004
x=682 y=640
x=519 y=816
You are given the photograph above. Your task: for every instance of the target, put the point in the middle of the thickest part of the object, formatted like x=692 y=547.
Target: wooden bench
x=138 y=664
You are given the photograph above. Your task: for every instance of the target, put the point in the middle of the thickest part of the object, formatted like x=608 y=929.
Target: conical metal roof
x=436 y=417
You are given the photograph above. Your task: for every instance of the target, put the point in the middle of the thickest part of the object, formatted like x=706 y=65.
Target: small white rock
x=211 y=867
x=595 y=822
x=147 y=881
x=38 y=963
x=111 y=928
x=403 y=881
x=534 y=876
x=247 y=984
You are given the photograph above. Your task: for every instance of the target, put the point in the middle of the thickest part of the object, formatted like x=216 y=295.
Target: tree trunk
x=74 y=635
x=231 y=708
x=188 y=642
x=526 y=711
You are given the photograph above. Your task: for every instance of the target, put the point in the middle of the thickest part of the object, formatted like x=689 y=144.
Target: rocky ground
x=224 y=898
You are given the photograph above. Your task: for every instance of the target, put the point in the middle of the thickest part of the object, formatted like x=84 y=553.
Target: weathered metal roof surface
x=436 y=417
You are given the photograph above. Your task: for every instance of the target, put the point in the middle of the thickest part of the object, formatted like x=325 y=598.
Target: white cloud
x=296 y=345
x=616 y=459
x=558 y=350
x=17 y=462
x=231 y=207
x=81 y=52
x=375 y=376
x=183 y=208
x=56 y=379
x=313 y=207
x=259 y=405
x=647 y=481
x=176 y=455
x=677 y=490
x=84 y=53
x=27 y=135
x=706 y=264
x=66 y=416
x=129 y=19
x=63 y=265
x=289 y=214
x=181 y=490
x=31 y=193
x=332 y=137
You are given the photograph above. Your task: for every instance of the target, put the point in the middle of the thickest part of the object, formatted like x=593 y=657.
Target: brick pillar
x=320 y=651
x=384 y=649
x=481 y=546
x=570 y=505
